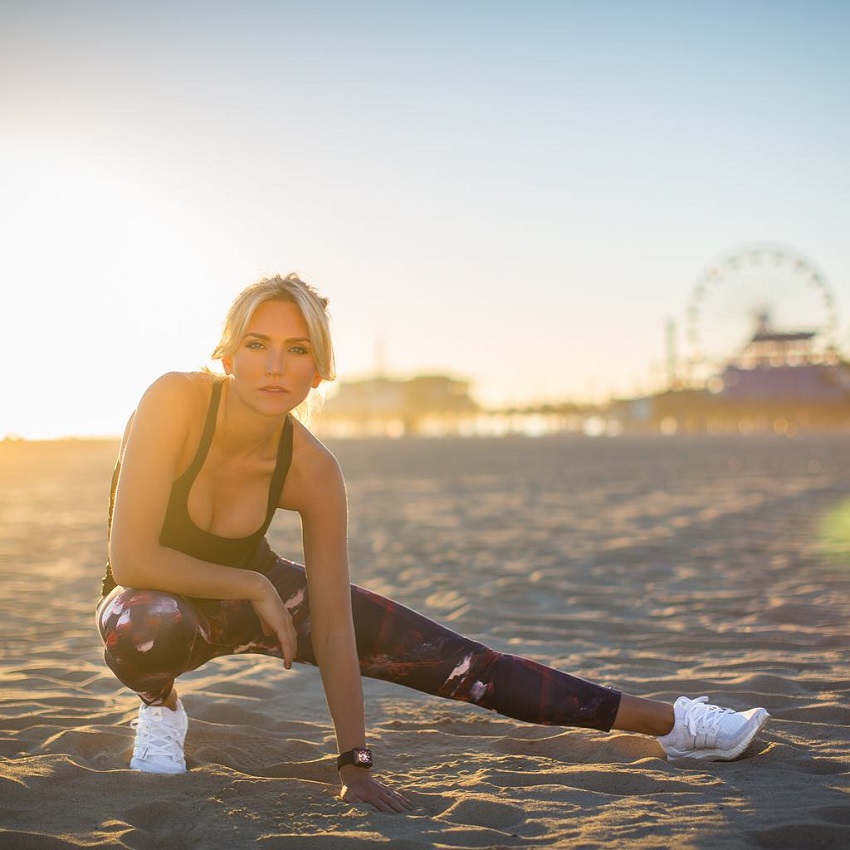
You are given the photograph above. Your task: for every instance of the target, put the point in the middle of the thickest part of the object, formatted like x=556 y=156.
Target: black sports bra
x=180 y=532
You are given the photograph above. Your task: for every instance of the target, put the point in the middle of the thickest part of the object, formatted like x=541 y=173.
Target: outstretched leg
x=397 y=644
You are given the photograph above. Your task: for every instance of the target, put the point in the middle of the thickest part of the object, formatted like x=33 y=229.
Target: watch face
x=362 y=757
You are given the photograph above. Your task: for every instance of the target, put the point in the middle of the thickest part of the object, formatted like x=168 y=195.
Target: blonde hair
x=313 y=307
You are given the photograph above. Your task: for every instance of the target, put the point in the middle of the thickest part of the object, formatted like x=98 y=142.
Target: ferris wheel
x=753 y=284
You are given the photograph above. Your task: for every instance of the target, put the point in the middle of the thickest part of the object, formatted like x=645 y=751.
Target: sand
x=716 y=566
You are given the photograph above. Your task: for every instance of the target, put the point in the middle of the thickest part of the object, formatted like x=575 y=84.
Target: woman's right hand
x=276 y=620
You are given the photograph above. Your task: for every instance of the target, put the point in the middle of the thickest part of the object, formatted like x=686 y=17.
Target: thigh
x=150 y=638
x=394 y=642
x=150 y=630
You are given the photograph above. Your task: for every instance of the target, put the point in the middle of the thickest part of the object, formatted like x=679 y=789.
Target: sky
x=524 y=194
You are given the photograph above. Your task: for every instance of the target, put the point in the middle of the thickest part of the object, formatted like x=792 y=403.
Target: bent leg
x=150 y=638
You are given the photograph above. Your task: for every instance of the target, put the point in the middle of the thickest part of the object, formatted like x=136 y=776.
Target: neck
x=243 y=431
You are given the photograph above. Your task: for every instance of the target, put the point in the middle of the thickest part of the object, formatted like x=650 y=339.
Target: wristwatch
x=359 y=757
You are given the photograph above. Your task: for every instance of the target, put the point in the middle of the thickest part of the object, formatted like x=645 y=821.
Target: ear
x=227 y=362
x=317 y=379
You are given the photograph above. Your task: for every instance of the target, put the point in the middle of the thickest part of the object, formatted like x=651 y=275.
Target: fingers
x=391 y=807
x=276 y=620
x=395 y=800
x=390 y=802
x=377 y=795
x=288 y=644
x=399 y=804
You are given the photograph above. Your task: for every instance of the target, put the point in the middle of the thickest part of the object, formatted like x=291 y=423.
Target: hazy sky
x=518 y=193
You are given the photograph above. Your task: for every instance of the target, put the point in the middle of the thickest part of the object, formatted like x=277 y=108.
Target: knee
x=147 y=629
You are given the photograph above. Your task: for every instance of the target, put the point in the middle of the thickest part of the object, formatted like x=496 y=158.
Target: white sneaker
x=160 y=733
x=704 y=731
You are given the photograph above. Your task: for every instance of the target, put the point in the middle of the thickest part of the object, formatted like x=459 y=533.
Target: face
x=273 y=367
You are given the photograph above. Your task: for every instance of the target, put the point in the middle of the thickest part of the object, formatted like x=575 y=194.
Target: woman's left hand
x=359 y=786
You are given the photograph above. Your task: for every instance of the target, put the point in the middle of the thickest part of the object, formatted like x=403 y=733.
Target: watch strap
x=359 y=757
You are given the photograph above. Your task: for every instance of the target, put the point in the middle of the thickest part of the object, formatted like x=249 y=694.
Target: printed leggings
x=151 y=637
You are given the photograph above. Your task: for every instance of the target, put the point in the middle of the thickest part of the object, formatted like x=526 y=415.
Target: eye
x=299 y=349
x=255 y=345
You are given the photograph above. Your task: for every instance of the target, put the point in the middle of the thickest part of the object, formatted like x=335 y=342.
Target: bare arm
x=321 y=502
x=318 y=494
x=151 y=454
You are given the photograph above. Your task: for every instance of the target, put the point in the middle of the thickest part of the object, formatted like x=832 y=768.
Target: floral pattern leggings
x=151 y=637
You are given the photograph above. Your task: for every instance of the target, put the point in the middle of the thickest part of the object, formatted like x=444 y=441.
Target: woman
x=204 y=463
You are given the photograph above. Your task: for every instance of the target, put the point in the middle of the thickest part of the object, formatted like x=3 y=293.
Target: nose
x=274 y=364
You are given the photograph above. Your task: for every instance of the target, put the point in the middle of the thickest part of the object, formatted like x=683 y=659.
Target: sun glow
x=96 y=279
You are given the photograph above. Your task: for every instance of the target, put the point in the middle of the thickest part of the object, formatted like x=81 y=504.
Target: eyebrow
x=266 y=337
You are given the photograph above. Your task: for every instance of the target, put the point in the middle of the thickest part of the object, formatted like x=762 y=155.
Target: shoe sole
x=757 y=719
x=143 y=767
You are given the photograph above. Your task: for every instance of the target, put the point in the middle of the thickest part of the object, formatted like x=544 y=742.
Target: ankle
x=645 y=716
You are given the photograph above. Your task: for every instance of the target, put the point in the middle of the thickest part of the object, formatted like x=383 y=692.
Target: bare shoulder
x=181 y=388
x=315 y=476
x=172 y=405
x=177 y=394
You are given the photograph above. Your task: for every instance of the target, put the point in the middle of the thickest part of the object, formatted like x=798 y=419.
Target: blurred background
x=528 y=216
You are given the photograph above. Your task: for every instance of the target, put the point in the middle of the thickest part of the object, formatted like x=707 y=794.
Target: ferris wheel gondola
x=753 y=284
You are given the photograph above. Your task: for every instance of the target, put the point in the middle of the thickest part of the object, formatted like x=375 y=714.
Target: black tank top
x=180 y=532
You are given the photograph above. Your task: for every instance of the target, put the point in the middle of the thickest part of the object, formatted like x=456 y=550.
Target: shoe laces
x=159 y=738
x=701 y=717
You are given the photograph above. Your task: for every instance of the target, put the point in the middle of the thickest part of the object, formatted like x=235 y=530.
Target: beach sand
x=716 y=566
